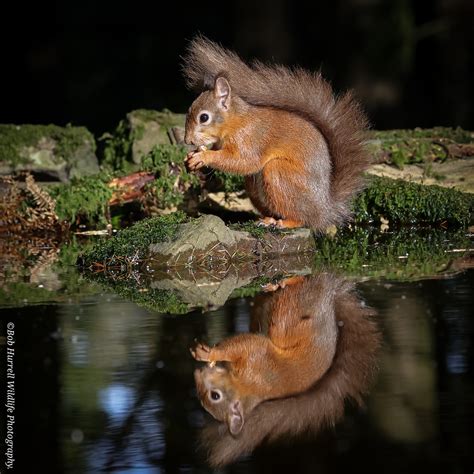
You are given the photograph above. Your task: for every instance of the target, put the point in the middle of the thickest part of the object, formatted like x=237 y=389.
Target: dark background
x=90 y=62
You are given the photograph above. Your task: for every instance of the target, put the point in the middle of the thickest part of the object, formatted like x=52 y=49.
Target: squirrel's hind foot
x=279 y=223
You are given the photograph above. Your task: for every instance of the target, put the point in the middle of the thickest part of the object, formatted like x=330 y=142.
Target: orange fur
x=298 y=350
x=300 y=148
x=349 y=378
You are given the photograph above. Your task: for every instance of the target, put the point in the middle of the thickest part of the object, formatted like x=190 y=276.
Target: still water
x=103 y=385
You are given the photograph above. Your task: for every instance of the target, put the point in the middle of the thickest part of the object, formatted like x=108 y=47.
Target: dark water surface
x=104 y=385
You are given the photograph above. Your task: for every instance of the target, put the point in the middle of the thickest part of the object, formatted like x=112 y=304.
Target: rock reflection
x=313 y=346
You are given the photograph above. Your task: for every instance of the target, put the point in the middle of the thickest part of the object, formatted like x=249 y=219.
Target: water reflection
x=104 y=385
x=313 y=346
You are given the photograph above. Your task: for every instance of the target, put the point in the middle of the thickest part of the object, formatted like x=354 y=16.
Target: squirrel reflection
x=320 y=351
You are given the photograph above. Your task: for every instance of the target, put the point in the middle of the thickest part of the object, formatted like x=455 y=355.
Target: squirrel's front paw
x=269 y=287
x=195 y=160
x=201 y=352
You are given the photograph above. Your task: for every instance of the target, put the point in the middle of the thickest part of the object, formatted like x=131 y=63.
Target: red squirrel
x=299 y=146
x=247 y=369
x=352 y=371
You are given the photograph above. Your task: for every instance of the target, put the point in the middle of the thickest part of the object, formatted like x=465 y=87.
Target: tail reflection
x=320 y=350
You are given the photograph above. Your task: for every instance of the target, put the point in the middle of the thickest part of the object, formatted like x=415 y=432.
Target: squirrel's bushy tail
x=340 y=119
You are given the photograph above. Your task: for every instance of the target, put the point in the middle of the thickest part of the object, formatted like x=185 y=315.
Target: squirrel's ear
x=235 y=420
x=222 y=92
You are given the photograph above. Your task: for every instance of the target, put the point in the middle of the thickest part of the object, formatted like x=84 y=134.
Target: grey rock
x=149 y=128
x=208 y=242
x=49 y=151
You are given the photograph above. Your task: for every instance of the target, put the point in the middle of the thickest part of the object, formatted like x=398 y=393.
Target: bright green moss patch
x=162 y=157
x=117 y=148
x=84 y=198
x=173 y=181
x=133 y=243
x=402 y=255
x=406 y=203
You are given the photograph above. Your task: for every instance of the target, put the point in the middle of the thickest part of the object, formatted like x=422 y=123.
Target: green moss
x=152 y=299
x=167 y=162
x=162 y=157
x=402 y=147
x=14 y=138
x=229 y=183
x=254 y=229
x=84 y=198
x=133 y=243
x=399 y=157
x=457 y=135
x=117 y=149
x=70 y=251
x=405 y=152
x=402 y=255
x=405 y=203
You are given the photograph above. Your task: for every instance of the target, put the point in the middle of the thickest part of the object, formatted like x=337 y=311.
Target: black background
x=90 y=62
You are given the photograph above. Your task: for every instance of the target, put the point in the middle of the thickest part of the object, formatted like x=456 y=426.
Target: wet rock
x=48 y=151
x=207 y=241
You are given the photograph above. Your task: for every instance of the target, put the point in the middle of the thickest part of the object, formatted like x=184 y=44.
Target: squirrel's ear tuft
x=235 y=420
x=222 y=92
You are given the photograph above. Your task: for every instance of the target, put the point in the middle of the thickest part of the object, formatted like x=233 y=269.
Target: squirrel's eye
x=203 y=118
x=215 y=395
